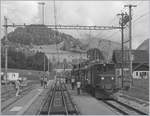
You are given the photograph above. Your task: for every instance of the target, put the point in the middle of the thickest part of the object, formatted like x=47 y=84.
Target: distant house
x=140 y=63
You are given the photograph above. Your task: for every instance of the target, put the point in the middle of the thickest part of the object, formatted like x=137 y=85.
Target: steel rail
x=118 y=109
x=46 y=99
x=129 y=107
x=52 y=99
x=124 y=105
x=64 y=101
x=76 y=109
x=27 y=90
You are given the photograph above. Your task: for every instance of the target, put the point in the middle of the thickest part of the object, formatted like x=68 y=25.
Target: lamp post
x=43 y=59
x=6 y=49
x=42 y=4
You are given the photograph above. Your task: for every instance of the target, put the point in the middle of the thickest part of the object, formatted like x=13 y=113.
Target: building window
x=144 y=74
x=136 y=73
x=147 y=73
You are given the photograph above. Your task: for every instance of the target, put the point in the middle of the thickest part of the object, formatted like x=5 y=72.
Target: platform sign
x=11 y=76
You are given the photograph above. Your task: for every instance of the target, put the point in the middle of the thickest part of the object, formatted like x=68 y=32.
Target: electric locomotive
x=101 y=80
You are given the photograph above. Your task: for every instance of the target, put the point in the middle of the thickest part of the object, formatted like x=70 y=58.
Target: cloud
x=20 y=11
x=82 y=13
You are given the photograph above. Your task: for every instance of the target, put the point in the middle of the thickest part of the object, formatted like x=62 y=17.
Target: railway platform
x=89 y=105
x=32 y=102
x=26 y=103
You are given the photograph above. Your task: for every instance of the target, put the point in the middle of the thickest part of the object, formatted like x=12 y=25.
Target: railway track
x=24 y=92
x=58 y=102
x=11 y=93
x=123 y=108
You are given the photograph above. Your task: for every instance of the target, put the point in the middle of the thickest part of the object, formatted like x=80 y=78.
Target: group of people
x=77 y=83
x=44 y=79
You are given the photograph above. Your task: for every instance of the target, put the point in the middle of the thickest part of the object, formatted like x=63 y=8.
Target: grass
x=140 y=89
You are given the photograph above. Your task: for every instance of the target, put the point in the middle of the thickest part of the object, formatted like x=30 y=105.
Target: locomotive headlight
x=102 y=78
x=112 y=78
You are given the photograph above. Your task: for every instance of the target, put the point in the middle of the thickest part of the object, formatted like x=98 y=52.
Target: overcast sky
x=102 y=13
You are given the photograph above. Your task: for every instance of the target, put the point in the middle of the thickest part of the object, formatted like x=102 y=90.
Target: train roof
x=93 y=64
x=62 y=70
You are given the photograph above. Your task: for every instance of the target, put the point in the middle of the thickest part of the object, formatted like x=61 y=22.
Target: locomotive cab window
x=105 y=67
x=98 y=69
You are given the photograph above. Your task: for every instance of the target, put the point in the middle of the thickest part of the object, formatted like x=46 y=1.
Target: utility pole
x=130 y=40
x=6 y=45
x=122 y=48
x=48 y=63
x=42 y=4
x=44 y=61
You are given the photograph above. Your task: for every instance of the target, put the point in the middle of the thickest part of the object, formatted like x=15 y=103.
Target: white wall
x=140 y=74
x=135 y=74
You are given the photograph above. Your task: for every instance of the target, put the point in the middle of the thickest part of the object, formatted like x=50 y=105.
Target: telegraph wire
x=141 y=16
x=108 y=24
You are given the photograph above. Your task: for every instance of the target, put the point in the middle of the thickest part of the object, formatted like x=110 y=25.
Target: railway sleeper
x=46 y=103
x=62 y=111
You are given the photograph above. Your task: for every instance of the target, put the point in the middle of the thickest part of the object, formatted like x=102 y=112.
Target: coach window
x=136 y=73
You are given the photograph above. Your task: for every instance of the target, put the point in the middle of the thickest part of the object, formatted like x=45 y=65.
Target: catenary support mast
x=6 y=48
x=130 y=41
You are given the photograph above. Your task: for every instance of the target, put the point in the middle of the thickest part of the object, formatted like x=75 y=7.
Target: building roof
x=144 y=45
x=139 y=56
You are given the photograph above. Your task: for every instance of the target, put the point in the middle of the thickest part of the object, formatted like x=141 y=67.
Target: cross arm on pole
x=130 y=5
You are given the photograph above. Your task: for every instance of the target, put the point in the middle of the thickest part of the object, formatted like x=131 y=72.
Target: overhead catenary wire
x=141 y=16
x=111 y=35
x=111 y=21
x=136 y=21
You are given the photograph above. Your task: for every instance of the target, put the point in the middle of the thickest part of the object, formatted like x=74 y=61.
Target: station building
x=140 y=63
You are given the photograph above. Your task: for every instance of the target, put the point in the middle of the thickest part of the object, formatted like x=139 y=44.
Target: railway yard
x=64 y=58
x=59 y=98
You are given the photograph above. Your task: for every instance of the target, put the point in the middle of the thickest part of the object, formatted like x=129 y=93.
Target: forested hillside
x=38 y=35
x=18 y=60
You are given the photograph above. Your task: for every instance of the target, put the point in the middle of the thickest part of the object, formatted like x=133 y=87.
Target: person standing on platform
x=41 y=79
x=17 y=83
x=72 y=83
x=78 y=87
x=45 y=81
